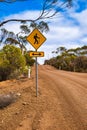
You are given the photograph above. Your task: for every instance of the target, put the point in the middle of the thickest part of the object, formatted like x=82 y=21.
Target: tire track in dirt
x=73 y=113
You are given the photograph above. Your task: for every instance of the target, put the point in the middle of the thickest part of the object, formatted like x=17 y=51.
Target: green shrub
x=12 y=62
x=29 y=60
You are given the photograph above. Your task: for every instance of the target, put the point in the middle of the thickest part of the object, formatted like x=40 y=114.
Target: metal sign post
x=36 y=69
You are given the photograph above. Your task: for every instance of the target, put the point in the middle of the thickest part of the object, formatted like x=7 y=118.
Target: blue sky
x=17 y=7
x=68 y=29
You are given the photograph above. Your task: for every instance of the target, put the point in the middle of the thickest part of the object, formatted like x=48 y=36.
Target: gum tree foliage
x=19 y=39
x=50 y=9
x=29 y=61
x=11 y=38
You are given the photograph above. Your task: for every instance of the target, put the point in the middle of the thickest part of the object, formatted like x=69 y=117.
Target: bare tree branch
x=15 y=20
x=50 y=9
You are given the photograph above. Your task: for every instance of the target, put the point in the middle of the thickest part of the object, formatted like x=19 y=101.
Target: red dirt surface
x=61 y=103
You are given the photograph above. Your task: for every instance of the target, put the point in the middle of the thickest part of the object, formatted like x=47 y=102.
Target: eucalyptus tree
x=79 y=51
x=60 y=50
x=19 y=39
x=11 y=38
x=74 y=59
x=49 y=9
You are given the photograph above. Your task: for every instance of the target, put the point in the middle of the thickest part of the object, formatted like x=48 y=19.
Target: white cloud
x=64 y=31
x=84 y=39
x=14 y=26
x=24 y=15
x=81 y=19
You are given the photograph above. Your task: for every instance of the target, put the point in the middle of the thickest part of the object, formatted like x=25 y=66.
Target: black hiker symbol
x=36 y=39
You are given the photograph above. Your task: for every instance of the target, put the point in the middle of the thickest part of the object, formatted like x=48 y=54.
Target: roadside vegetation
x=13 y=63
x=69 y=59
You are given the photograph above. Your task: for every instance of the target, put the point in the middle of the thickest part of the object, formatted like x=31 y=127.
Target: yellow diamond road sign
x=36 y=54
x=36 y=38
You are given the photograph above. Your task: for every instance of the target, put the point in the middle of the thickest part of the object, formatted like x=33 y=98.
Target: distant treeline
x=70 y=59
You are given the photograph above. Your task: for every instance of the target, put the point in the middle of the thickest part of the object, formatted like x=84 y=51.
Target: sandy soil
x=61 y=103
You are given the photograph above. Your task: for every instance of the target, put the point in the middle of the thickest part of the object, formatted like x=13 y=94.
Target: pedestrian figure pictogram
x=36 y=39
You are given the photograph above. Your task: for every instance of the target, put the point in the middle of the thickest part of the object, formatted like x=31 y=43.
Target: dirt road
x=61 y=103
